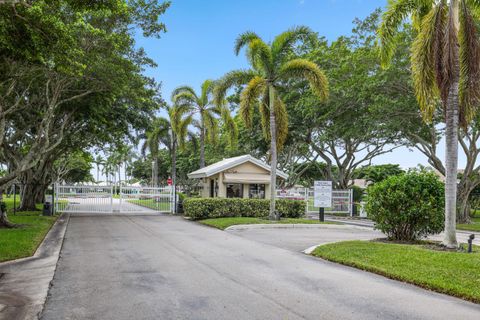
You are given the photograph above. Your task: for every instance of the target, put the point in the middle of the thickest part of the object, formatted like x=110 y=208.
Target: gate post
x=120 y=194
x=111 y=198
x=350 y=205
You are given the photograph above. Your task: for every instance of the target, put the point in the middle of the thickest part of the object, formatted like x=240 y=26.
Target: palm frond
x=284 y=42
x=229 y=80
x=243 y=40
x=207 y=88
x=249 y=98
x=397 y=11
x=260 y=55
x=182 y=89
x=307 y=70
x=229 y=125
x=426 y=59
x=469 y=87
x=185 y=98
x=281 y=119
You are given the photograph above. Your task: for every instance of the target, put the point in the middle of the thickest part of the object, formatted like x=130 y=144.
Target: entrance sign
x=322 y=194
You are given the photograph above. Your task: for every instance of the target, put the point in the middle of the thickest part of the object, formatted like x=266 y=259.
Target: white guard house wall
x=240 y=177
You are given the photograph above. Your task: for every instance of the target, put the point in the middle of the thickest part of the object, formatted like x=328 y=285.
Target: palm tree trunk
x=273 y=154
x=174 y=171
x=451 y=166
x=155 y=172
x=202 y=146
x=98 y=172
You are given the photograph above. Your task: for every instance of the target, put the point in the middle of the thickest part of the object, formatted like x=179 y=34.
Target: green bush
x=408 y=206
x=204 y=208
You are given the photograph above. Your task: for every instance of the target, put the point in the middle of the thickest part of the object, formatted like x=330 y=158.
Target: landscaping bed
x=23 y=241
x=223 y=223
x=453 y=273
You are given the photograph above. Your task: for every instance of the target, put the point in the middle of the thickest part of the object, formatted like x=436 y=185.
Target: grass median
x=223 y=223
x=453 y=273
x=473 y=226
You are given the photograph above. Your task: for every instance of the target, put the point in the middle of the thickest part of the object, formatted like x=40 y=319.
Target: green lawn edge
x=333 y=252
x=223 y=223
x=23 y=241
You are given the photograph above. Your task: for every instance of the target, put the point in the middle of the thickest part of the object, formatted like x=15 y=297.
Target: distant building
x=238 y=177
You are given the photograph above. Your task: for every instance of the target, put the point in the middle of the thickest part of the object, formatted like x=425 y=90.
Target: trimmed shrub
x=407 y=207
x=205 y=208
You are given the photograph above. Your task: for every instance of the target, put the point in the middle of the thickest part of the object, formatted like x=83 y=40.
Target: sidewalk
x=24 y=283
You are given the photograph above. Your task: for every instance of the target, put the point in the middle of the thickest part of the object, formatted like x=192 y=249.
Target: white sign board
x=322 y=194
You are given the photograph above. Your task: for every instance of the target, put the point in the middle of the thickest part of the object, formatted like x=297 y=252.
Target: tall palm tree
x=180 y=119
x=98 y=162
x=208 y=112
x=157 y=135
x=272 y=66
x=446 y=72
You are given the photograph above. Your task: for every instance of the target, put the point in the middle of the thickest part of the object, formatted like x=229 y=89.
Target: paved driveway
x=159 y=267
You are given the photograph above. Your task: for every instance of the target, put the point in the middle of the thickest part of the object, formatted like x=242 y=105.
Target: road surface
x=163 y=267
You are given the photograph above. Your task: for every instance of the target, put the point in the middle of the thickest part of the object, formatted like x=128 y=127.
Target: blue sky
x=200 y=34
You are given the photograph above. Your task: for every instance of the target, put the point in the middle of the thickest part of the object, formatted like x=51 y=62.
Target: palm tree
x=272 y=65
x=159 y=134
x=180 y=120
x=98 y=162
x=445 y=69
x=203 y=106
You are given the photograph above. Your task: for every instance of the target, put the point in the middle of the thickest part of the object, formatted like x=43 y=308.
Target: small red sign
x=169 y=181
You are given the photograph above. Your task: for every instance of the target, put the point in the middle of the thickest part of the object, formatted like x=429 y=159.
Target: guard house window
x=234 y=190
x=256 y=191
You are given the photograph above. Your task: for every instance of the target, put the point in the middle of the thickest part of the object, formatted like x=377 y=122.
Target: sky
x=200 y=35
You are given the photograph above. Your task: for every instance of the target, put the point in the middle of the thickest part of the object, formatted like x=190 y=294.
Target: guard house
x=238 y=177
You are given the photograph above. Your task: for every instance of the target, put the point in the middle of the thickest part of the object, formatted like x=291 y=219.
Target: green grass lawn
x=474 y=226
x=454 y=273
x=223 y=223
x=149 y=203
x=23 y=241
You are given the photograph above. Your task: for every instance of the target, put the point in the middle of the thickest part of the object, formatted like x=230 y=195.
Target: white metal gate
x=342 y=200
x=112 y=199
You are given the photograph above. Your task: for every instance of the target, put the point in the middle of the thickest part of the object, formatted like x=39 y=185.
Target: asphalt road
x=159 y=267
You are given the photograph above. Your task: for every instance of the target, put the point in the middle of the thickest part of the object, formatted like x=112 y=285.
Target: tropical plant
x=445 y=69
x=157 y=135
x=272 y=66
x=202 y=105
x=99 y=161
x=180 y=120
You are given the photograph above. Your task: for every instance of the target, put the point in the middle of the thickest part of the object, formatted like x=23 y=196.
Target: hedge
x=205 y=208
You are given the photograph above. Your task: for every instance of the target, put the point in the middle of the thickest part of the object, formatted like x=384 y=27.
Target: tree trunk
x=28 y=197
x=451 y=166
x=463 y=206
x=202 y=146
x=155 y=172
x=174 y=171
x=98 y=172
x=4 y=223
x=273 y=154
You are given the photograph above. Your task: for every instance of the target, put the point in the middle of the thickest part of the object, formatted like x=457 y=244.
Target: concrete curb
x=293 y=226
x=25 y=283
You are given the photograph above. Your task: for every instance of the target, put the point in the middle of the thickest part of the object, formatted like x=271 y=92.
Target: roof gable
x=228 y=163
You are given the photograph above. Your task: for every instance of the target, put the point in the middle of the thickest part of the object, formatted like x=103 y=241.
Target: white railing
x=111 y=198
x=342 y=200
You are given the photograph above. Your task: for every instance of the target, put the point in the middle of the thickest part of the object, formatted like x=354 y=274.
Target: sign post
x=322 y=197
